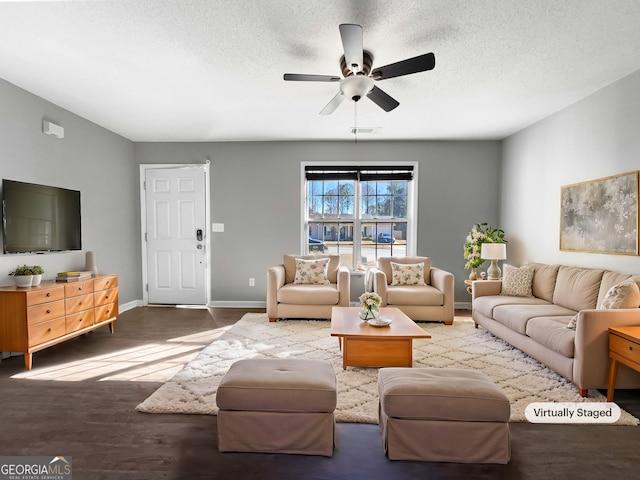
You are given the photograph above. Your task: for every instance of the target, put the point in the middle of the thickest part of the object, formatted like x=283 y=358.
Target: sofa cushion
x=577 y=288
x=312 y=271
x=414 y=295
x=609 y=279
x=407 y=274
x=516 y=281
x=516 y=316
x=295 y=294
x=289 y=262
x=384 y=264
x=552 y=332
x=486 y=305
x=544 y=280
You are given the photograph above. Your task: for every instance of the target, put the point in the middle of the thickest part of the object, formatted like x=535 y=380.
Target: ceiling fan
x=358 y=78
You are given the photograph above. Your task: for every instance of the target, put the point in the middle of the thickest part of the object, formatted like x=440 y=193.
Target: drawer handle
x=48 y=311
x=80 y=320
x=630 y=348
x=106 y=297
x=48 y=294
x=79 y=288
x=79 y=303
x=48 y=330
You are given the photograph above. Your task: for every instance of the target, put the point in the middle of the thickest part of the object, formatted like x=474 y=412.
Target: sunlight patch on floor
x=153 y=362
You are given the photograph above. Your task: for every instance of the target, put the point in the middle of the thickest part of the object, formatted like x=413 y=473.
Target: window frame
x=412 y=207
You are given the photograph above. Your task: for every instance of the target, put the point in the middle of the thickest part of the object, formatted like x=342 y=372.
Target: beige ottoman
x=443 y=415
x=277 y=406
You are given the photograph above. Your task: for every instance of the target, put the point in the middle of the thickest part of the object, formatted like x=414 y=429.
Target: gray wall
x=255 y=192
x=89 y=158
x=594 y=138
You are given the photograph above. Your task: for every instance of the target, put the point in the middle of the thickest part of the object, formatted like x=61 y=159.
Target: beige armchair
x=432 y=301
x=286 y=299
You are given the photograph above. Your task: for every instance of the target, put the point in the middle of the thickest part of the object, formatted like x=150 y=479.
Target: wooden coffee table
x=363 y=345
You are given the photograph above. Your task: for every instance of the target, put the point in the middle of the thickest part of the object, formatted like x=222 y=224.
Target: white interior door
x=176 y=243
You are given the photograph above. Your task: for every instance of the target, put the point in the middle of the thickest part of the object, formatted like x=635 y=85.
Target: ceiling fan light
x=356 y=87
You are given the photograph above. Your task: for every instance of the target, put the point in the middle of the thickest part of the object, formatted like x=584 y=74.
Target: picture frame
x=600 y=216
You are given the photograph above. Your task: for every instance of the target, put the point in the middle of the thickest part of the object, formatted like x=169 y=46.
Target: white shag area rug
x=523 y=379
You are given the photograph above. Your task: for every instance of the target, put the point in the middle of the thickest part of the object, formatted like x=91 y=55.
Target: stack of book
x=72 y=276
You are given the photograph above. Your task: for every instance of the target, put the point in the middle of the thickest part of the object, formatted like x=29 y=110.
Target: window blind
x=369 y=173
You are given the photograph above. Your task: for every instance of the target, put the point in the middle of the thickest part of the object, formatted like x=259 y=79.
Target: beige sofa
x=286 y=299
x=431 y=302
x=538 y=324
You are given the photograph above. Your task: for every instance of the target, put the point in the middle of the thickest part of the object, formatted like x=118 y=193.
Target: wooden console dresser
x=35 y=318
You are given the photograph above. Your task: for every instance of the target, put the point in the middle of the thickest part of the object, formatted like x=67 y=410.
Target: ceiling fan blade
x=352 y=44
x=421 y=63
x=382 y=99
x=333 y=104
x=299 y=77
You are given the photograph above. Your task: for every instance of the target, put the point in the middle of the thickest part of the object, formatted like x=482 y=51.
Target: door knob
x=199 y=247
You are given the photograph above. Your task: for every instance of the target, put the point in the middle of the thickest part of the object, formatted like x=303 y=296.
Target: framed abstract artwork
x=600 y=216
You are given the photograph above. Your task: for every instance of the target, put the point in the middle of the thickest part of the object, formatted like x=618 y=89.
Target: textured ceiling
x=210 y=70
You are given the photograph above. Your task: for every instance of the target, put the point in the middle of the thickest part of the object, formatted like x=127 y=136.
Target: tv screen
x=39 y=218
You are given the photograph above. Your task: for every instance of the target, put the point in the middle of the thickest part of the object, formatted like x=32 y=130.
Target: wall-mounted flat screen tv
x=39 y=218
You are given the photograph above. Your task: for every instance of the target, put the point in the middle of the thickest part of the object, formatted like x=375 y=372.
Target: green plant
x=479 y=234
x=21 y=270
x=27 y=270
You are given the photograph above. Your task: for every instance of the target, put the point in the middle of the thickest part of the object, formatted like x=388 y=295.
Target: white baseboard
x=123 y=307
x=237 y=304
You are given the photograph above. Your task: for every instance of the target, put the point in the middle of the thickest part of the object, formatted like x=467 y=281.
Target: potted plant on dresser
x=27 y=276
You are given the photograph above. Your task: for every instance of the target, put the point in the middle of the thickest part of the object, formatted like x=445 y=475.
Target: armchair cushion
x=308 y=294
x=312 y=271
x=414 y=295
x=289 y=263
x=407 y=274
x=384 y=264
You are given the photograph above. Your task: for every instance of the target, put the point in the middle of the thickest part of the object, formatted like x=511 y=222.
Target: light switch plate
x=217 y=227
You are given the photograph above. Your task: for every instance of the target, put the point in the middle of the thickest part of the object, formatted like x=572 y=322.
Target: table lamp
x=493 y=252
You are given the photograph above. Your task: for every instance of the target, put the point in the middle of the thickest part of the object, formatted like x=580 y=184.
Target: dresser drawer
x=80 y=287
x=105 y=282
x=625 y=348
x=43 y=295
x=78 y=303
x=45 y=312
x=79 y=320
x=46 y=331
x=105 y=312
x=105 y=296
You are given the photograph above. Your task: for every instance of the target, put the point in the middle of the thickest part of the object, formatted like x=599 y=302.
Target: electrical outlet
x=252 y=282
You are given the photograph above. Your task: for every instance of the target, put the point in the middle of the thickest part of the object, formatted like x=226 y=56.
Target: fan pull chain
x=355 y=122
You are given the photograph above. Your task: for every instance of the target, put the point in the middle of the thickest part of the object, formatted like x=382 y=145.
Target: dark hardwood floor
x=79 y=400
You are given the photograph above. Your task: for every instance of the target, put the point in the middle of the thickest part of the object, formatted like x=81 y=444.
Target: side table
x=624 y=347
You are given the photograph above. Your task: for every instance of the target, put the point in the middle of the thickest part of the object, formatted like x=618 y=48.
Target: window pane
x=331 y=214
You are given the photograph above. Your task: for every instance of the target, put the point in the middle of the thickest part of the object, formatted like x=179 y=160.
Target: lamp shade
x=493 y=251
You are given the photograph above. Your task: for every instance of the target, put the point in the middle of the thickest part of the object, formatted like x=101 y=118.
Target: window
x=361 y=212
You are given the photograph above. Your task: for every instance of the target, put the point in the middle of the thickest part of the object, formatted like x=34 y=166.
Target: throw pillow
x=407 y=273
x=516 y=281
x=312 y=271
x=622 y=295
